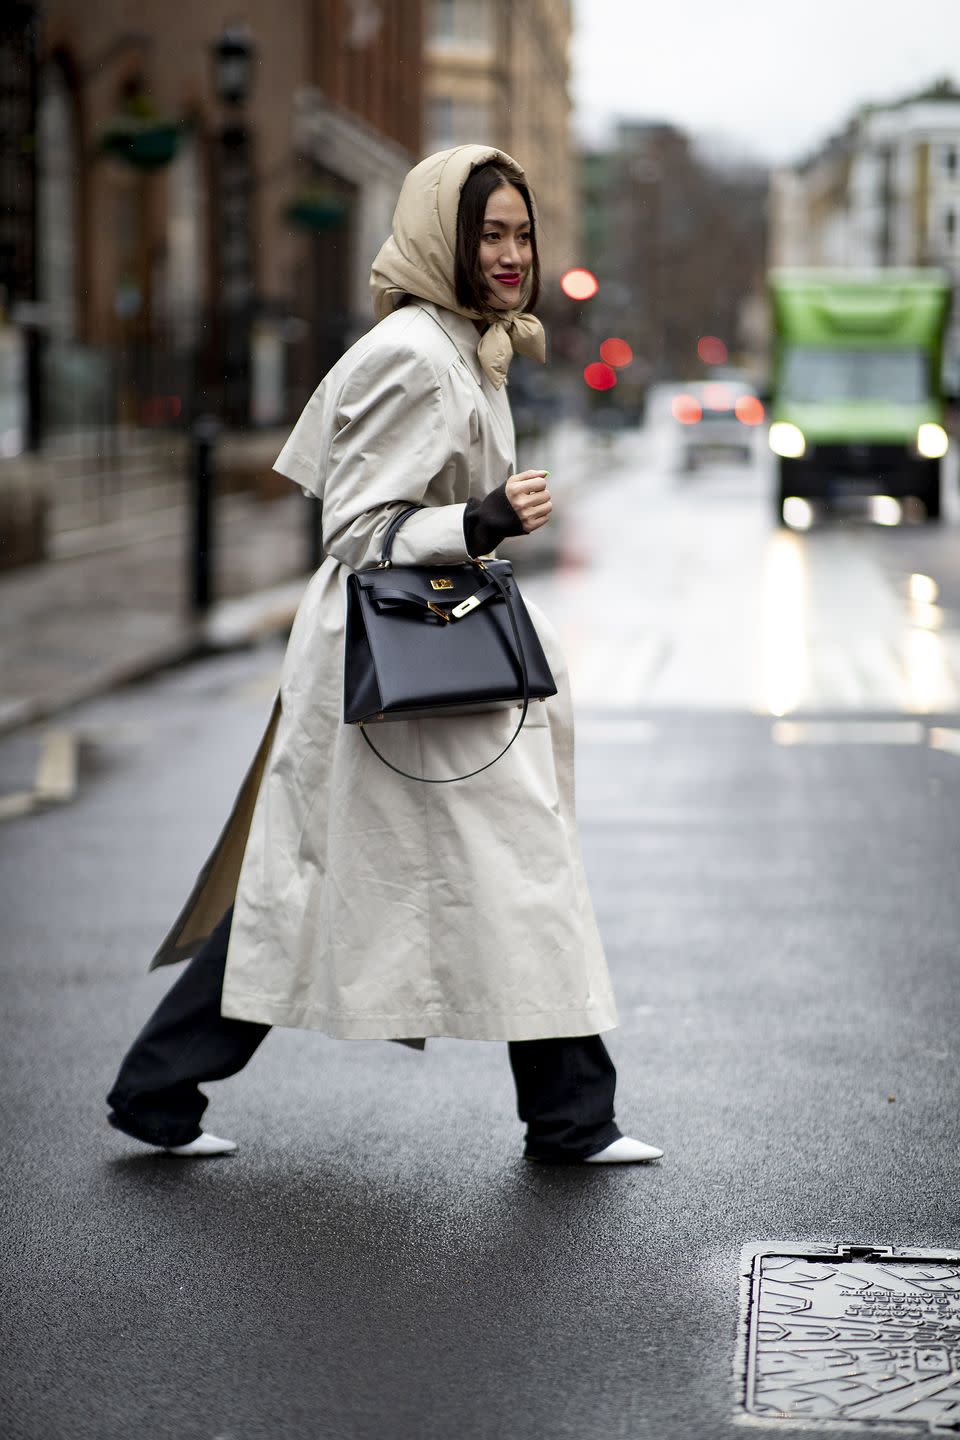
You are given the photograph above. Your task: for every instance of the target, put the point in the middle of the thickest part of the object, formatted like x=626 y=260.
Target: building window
x=951 y=161
x=461 y=24
x=439 y=123
x=458 y=122
x=950 y=228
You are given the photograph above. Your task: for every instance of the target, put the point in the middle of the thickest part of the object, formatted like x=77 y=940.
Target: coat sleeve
x=391 y=442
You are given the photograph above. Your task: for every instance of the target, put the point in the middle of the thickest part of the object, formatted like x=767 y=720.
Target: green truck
x=857 y=404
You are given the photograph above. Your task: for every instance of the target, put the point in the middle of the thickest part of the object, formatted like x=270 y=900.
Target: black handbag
x=425 y=641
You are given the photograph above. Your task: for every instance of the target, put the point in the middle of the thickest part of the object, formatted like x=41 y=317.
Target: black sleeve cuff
x=489 y=521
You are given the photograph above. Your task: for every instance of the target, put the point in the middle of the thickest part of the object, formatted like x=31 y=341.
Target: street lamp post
x=233 y=56
x=202 y=477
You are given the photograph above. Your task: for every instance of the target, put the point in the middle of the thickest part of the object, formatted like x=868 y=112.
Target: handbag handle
x=391 y=534
x=450 y=779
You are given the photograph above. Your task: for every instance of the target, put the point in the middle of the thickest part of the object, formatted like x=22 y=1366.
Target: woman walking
x=340 y=896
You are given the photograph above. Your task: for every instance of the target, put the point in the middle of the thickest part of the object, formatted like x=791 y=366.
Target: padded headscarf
x=418 y=258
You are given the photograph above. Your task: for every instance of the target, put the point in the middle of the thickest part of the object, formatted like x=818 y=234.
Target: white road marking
x=55 y=778
x=946 y=740
x=262 y=687
x=848 y=732
x=616 y=732
x=14 y=807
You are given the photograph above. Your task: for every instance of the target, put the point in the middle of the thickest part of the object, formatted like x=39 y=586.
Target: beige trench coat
x=369 y=906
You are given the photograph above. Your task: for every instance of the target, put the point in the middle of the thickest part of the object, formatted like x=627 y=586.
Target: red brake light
x=749 y=410
x=686 y=410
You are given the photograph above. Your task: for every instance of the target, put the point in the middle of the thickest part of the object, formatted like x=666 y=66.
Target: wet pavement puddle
x=851 y=1335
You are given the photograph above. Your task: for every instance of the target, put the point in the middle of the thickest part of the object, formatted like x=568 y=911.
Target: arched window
x=187 y=241
x=57 y=180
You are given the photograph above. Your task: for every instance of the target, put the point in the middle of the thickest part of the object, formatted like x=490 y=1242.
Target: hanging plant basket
x=139 y=137
x=317 y=209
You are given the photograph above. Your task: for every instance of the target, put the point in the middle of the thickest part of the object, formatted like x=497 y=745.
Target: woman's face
x=506 y=250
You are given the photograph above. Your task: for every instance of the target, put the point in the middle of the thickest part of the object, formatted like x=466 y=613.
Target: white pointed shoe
x=205 y=1145
x=625 y=1151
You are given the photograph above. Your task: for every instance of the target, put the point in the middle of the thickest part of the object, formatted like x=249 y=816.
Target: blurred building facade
x=497 y=73
x=191 y=202
x=885 y=192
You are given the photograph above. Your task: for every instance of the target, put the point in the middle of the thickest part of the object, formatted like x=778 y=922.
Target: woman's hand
x=530 y=498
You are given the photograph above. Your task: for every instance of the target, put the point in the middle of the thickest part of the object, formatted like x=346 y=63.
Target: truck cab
x=857 y=405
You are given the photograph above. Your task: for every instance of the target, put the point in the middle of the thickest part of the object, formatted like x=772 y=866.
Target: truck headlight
x=932 y=441
x=787 y=440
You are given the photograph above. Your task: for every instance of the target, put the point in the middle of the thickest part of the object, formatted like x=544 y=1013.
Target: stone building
x=497 y=73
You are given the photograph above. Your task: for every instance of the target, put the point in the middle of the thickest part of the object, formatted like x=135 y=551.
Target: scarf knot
x=521 y=333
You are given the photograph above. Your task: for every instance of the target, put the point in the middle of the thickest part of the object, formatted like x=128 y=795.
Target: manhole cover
x=852 y=1334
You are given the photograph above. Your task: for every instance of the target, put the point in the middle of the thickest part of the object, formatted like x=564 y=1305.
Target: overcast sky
x=773 y=77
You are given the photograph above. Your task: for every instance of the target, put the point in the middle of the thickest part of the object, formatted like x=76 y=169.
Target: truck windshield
x=812 y=375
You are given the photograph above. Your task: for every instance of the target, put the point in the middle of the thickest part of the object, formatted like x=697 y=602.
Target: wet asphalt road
x=378 y=1261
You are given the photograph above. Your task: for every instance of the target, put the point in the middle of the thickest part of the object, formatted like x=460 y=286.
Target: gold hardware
x=441 y=584
x=465 y=607
x=437 y=611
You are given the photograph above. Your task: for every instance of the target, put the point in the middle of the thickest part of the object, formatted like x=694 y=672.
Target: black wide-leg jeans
x=565 y=1086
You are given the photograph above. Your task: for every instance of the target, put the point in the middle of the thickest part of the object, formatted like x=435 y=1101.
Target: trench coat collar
x=462 y=332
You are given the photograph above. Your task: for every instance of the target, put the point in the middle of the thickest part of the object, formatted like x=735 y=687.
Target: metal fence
x=114 y=432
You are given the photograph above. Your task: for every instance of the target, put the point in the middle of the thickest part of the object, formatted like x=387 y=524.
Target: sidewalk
x=74 y=628
x=80 y=625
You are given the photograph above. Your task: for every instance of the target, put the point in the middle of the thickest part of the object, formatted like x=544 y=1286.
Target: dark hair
x=478 y=187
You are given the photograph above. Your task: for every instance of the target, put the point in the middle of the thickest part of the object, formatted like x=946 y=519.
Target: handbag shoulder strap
x=522 y=659
x=391 y=533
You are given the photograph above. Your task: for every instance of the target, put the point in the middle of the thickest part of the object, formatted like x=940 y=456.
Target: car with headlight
x=857 y=406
